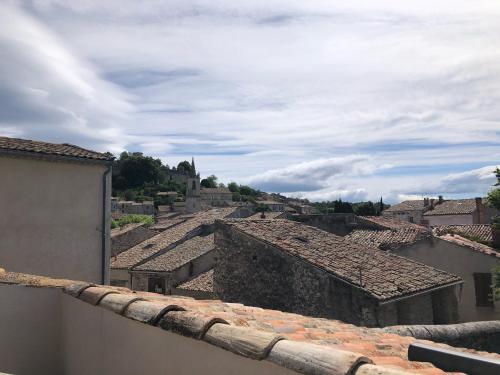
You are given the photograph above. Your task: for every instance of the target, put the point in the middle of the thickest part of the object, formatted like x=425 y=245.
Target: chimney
x=480 y=210
x=262 y=215
x=432 y=203
x=426 y=202
x=441 y=200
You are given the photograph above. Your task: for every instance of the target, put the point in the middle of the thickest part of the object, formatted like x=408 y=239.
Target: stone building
x=216 y=197
x=55 y=209
x=132 y=208
x=451 y=249
x=460 y=212
x=411 y=210
x=185 y=261
x=175 y=232
x=273 y=205
x=281 y=264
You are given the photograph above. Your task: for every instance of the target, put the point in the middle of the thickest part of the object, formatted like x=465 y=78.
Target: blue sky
x=318 y=99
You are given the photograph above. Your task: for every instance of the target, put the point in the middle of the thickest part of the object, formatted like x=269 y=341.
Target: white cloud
x=313 y=175
x=254 y=86
x=47 y=93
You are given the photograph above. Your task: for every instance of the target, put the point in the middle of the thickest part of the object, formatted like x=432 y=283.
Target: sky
x=315 y=99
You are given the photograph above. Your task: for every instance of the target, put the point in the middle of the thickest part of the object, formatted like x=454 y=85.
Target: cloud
x=313 y=175
x=47 y=93
x=476 y=181
x=267 y=91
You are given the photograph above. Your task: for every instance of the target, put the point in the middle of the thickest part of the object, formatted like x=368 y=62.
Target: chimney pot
x=441 y=200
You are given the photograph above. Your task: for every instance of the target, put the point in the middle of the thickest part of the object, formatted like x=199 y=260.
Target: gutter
x=104 y=229
x=426 y=291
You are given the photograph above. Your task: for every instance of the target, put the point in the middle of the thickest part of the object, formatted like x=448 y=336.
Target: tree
x=233 y=187
x=365 y=209
x=135 y=170
x=494 y=195
x=185 y=166
x=210 y=182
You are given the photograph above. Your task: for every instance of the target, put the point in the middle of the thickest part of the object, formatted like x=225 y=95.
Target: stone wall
x=173 y=278
x=254 y=273
x=130 y=238
x=339 y=224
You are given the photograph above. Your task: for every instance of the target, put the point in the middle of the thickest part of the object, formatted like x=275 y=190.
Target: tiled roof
x=55 y=149
x=180 y=255
x=472 y=245
x=453 y=207
x=167 y=223
x=481 y=232
x=411 y=205
x=268 y=215
x=203 y=282
x=384 y=222
x=302 y=344
x=126 y=228
x=389 y=239
x=164 y=240
x=384 y=276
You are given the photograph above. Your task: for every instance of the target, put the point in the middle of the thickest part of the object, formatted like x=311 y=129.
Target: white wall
x=44 y=331
x=460 y=261
x=51 y=218
x=449 y=220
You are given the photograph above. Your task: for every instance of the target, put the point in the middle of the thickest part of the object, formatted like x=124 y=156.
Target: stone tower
x=193 y=198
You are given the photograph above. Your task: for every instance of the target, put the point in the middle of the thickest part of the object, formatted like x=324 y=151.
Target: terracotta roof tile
x=411 y=205
x=180 y=255
x=390 y=239
x=453 y=207
x=55 y=149
x=384 y=222
x=166 y=239
x=481 y=232
x=384 y=275
x=472 y=245
x=203 y=282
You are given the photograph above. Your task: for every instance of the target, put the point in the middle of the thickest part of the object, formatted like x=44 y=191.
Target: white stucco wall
x=460 y=261
x=51 y=218
x=46 y=332
x=448 y=219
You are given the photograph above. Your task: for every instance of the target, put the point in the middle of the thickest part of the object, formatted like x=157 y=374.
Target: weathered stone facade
x=254 y=272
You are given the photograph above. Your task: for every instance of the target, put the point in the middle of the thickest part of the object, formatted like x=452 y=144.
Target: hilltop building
x=56 y=213
x=216 y=197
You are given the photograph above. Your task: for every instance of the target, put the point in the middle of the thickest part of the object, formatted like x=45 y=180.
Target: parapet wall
x=339 y=224
x=484 y=336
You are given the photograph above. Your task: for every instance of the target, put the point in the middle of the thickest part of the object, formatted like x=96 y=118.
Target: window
x=156 y=285
x=411 y=219
x=194 y=185
x=482 y=285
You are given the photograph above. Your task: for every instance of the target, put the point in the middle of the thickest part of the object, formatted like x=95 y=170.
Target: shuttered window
x=482 y=285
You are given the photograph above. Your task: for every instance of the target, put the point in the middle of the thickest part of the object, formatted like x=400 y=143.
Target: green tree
x=494 y=195
x=134 y=170
x=185 y=166
x=209 y=182
x=365 y=209
x=233 y=187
